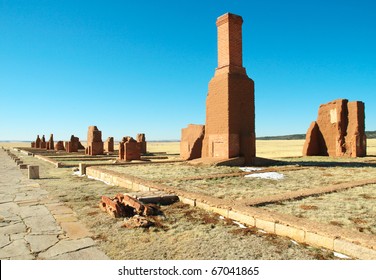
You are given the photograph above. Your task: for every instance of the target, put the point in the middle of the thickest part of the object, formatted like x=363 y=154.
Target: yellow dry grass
x=168 y=147
x=182 y=232
x=279 y=148
x=264 y=148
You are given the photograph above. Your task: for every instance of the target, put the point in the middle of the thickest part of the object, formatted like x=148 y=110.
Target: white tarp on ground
x=250 y=169
x=266 y=175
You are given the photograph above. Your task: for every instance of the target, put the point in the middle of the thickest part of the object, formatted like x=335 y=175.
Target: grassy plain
x=189 y=233
x=265 y=148
x=182 y=232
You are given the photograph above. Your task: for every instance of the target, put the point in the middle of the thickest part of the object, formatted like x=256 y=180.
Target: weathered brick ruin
x=59 y=146
x=191 y=141
x=338 y=132
x=73 y=145
x=109 y=144
x=94 y=142
x=50 y=143
x=37 y=142
x=129 y=149
x=230 y=109
x=68 y=147
x=40 y=143
x=43 y=144
x=141 y=139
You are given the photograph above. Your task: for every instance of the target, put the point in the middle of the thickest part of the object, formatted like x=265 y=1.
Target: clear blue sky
x=144 y=66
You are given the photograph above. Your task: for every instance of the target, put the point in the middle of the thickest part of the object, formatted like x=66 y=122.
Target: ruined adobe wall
x=339 y=130
x=94 y=141
x=191 y=141
x=356 y=142
x=332 y=122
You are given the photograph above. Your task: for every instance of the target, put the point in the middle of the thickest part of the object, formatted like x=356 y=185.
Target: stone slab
x=23 y=257
x=60 y=209
x=75 y=230
x=33 y=211
x=319 y=240
x=354 y=250
x=39 y=243
x=291 y=232
x=242 y=218
x=66 y=246
x=4 y=240
x=42 y=225
x=265 y=225
x=65 y=218
x=13 y=229
x=14 y=249
x=91 y=253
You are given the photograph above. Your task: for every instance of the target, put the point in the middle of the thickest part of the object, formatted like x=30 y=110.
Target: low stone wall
x=54 y=162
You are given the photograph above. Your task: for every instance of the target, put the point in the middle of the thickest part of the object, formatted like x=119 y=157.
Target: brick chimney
x=229 y=28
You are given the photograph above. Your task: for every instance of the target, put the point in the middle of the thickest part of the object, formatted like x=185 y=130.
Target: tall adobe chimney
x=230 y=112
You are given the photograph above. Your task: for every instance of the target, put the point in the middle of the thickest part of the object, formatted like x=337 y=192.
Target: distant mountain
x=283 y=137
x=370 y=135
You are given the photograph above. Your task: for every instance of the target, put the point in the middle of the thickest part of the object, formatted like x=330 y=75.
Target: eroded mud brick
x=94 y=141
x=338 y=132
x=191 y=141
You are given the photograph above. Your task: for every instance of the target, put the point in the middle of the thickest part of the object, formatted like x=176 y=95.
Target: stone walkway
x=32 y=226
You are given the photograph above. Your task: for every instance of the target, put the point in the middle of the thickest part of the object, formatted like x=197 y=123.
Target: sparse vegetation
x=184 y=232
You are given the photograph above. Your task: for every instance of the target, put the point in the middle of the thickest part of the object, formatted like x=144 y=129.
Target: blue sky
x=144 y=66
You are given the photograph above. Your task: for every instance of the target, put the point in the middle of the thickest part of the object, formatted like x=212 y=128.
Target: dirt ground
x=184 y=232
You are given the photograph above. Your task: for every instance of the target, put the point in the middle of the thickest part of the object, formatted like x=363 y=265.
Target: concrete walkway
x=32 y=226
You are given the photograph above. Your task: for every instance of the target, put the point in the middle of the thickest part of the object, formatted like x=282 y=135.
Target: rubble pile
x=126 y=206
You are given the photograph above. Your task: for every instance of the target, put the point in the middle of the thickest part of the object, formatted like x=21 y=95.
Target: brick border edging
x=59 y=164
x=348 y=242
x=54 y=162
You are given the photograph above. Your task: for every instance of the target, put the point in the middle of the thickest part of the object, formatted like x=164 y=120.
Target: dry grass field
x=190 y=233
x=182 y=232
x=265 y=148
x=354 y=208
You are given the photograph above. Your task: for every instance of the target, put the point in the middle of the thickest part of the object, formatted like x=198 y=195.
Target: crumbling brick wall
x=37 y=142
x=94 y=141
x=50 y=142
x=59 y=146
x=141 y=139
x=191 y=141
x=109 y=144
x=339 y=130
x=129 y=149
